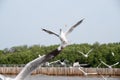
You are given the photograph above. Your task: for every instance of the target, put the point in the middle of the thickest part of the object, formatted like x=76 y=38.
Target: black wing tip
x=82 y=19
x=43 y=29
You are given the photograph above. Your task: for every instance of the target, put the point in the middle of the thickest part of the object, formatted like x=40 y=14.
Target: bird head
x=60 y=30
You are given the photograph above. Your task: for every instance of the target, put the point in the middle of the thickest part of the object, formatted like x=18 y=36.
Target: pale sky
x=21 y=21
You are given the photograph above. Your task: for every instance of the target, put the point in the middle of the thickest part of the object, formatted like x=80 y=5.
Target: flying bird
x=32 y=65
x=109 y=66
x=59 y=61
x=103 y=77
x=26 y=70
x=85 y=73
x=86 y=55
x=99 y=65
x=113 y=54
x=49 y=63
x=62 y=35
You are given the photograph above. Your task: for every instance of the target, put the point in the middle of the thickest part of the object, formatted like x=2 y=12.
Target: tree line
x=24 y=54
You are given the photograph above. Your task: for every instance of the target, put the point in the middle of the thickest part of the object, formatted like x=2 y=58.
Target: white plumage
x=86 y=55
x=85 y=73
x=63 y=35
x=109 y=66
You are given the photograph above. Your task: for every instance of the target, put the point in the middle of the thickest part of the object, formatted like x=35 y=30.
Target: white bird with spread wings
x=49 y=63
x=86 y=55
x=32 y=65
x=85 y=73
x=99 y=73
x=63 y=35
x=109 y=66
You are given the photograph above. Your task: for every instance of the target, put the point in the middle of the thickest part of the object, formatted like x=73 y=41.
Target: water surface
x=44 y=77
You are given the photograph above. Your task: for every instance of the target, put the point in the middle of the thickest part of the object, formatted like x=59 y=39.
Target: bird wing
x=54 y=62
x=82 y=71
x=104 y=63
x=32 y=65
x=115 y=64
x=50 y=32
x=98 y=65
x=113 y=53
x=71 y=29
x=81 y=53
x=89 y=51
x=103 y=77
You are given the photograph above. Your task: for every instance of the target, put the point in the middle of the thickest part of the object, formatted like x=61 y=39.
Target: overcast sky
x=21 y=21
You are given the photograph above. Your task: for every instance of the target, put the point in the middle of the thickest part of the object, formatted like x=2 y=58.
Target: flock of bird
x=77 y=65
x=101 y=62
x=32 y=65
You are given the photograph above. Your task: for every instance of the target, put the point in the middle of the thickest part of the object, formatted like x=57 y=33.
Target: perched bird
x=63 y=35
x=76 y=64
x=86 y=55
